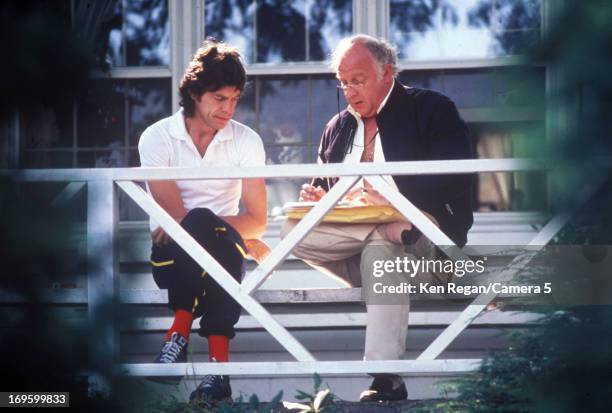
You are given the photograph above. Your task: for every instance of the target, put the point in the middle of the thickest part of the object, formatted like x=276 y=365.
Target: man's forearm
x=249 y=226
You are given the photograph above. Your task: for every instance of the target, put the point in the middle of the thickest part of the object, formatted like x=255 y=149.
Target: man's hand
x=310 y=193
x=257 y=249
x=160 y=237
x=168 y=196
x=365 y=195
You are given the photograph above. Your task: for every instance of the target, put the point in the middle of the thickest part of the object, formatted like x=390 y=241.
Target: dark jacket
x=416 y=125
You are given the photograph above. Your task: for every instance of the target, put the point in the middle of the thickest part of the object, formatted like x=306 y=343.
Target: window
x=504 y=109
x=457 y=47
x=288 y=110
x=463 y=29
x=274 y=31
x=99 y=128
x=289 y=113
x=130 y=32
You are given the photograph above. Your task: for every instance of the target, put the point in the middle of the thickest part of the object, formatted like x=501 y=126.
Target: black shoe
x=382 y=389
x=173 y=351
x=212 y=389
x=410 y=236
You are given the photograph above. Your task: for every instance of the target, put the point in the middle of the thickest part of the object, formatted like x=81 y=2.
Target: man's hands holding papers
x=359 y=196
x=365 y=195
x=349 y=208
x=310 y=193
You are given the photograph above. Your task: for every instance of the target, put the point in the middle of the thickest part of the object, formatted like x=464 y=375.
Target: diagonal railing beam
x=67 y=194
x=418 y=218
x=297 y=234
x=544 y=236
x=215 y=270
x=481 y=301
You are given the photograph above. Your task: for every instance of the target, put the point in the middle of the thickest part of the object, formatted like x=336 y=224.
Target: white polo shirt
x=167 y=143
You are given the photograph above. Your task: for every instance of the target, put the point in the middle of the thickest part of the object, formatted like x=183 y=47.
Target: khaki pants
x=347 y=251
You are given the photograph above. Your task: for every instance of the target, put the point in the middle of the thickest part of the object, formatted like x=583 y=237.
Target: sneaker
x=173 y=351
x=386 y=388
x=212 y=389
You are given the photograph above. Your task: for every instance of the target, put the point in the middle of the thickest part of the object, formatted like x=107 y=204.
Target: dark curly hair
x=214 y=65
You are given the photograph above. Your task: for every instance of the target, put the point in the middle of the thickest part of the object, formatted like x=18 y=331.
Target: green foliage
x=563 y=366
x=315 y=401
x=240 y=405
x=47 y=60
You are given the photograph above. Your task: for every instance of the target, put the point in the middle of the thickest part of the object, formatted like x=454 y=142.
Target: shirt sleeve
x=153 y=149
x=251 y=149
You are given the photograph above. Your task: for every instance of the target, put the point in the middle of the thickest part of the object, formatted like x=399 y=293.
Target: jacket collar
x=396 y=95
x=382 y=104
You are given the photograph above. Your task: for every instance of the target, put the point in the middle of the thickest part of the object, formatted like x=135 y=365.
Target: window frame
x=187 y=30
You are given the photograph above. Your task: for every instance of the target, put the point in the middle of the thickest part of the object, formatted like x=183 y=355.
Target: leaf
x=253 y=402
x=301 y=395
x=319 y=399
x=296 y=406
x=269 y=407
x=226 y=409
x=317 y=381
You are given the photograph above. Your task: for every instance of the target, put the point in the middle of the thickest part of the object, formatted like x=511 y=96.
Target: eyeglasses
x=353 y=84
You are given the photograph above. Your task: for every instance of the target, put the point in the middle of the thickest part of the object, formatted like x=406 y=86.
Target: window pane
x=245 y=111
x=430 y=79
x=324 y=103
x=516 y=87
x=413 y=28
x=463 y=28
x=517 y=25
x=101 y=114
x=469 y=88
x=233 y=22
x=149 y=100
x=520 y=86
x=328 y=22
x=128 y=33
x=281 y=31
x=147 y=33
x=314 y=152
x=133 y=158
x=113 y=158
x=46 y=159
x=47 y=127
x=283 y=105
x=274 y=31
x=111 y=34
x=508 y=191
x=279 y=155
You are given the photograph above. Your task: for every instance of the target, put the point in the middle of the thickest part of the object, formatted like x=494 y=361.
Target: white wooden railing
x=103 y=269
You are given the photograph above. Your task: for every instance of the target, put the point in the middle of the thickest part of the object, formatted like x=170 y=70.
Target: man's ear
x=388 y=73
x=195 y=97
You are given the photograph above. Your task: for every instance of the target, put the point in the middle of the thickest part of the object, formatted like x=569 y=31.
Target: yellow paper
x=366 y=214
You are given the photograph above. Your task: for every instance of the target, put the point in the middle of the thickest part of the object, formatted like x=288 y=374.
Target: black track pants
x=189 y=287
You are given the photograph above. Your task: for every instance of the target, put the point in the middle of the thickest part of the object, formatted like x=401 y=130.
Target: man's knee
x=379 y=252
x=301 y=250
x=287 y=227
x=383 y=263
x=199 y=215
x=205 y=227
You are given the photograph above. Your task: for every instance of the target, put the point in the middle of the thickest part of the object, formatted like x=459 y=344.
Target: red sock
x=218 y=348
x=182 y=324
